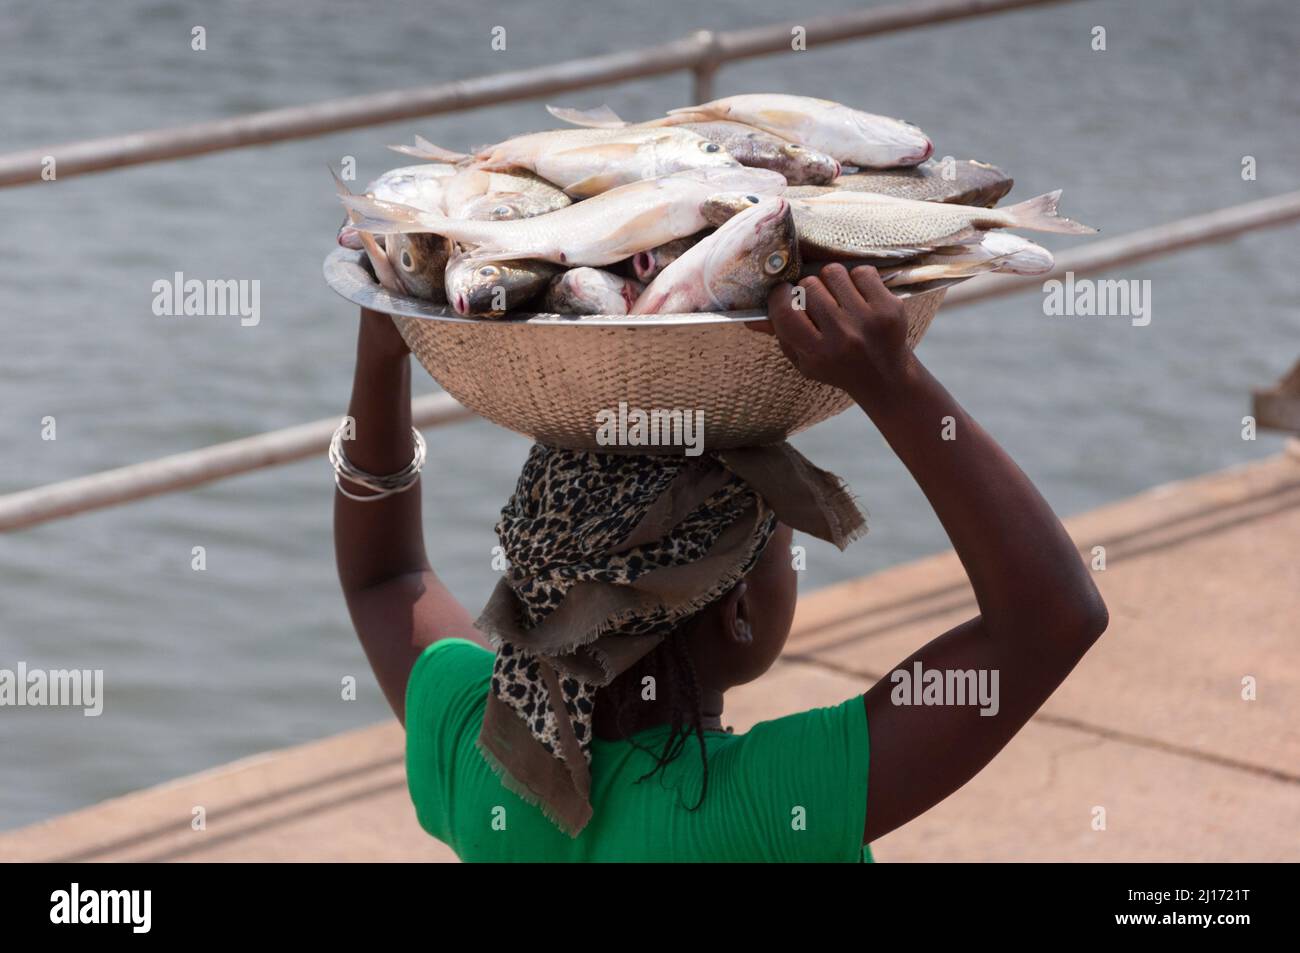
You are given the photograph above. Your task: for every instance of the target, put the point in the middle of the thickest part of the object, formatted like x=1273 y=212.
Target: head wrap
x=607 y=554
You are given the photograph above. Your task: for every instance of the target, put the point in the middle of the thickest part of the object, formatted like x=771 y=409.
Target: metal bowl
x=548 y=376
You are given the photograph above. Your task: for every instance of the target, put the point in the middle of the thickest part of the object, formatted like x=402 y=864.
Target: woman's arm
x=397 y=604
x=1039 y=608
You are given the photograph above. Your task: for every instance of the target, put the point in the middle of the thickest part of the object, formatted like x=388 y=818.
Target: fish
x=848 y=135
x=748 y=145
x=591 y=291
x=488 y=289
x=647 y=264
x=483 y=195
x=404 y=264
x=731 y=269
x=866 y=225
x=753 y=147
x=420 y=186
x=958 y=181
x=586 y=162
x=420 y=261
x=996 y=252
x=604 y=229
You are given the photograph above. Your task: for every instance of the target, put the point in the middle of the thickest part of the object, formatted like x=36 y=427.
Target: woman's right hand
x=851 y=331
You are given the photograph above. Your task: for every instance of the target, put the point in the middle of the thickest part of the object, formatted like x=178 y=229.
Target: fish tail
x=1039 y=214
x=602 y=117
x=424 y=149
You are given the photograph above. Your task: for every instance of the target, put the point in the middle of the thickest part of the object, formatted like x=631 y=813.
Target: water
x=204 y=667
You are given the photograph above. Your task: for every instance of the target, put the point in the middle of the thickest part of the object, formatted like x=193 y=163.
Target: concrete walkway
x=1203 y=583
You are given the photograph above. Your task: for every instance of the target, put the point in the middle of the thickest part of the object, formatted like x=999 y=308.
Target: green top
x=791 y=789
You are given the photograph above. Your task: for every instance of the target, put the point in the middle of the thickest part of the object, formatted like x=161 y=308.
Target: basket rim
x=346 y=273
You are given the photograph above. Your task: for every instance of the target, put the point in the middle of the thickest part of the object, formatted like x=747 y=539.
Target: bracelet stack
x=381 y=487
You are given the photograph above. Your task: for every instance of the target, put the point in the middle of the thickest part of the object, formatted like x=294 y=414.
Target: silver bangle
x=381 y=487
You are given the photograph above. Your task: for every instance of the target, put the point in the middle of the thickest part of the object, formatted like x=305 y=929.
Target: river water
x=202 y=667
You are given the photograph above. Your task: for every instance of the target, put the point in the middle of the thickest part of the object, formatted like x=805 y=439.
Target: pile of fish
x=704 y=209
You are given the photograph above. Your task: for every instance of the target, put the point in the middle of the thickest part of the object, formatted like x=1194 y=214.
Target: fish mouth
x=349 y=237
x=642 y=262
x=924 y=153
x=461 y=305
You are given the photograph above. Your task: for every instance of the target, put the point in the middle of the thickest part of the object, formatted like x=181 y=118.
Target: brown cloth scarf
x=608 y=553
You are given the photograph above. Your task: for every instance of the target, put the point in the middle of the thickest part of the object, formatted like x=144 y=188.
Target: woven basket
x=549 y=376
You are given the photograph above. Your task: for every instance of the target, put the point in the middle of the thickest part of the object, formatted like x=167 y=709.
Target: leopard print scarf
x=607 y=554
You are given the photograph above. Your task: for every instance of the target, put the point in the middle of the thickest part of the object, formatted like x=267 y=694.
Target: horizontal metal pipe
x=185 y=470
x=151 y=478
x=1216 y=226
x=703 y=50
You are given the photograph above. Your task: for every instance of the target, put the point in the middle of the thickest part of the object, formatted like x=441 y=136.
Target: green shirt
x=791 y=789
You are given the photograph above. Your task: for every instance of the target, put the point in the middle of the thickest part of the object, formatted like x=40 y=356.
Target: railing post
x=706 y=69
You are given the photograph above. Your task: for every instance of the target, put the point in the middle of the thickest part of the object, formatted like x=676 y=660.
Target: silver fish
x=420 y=261
x=600 y=231
x=484 y=195
x=749 y=145
x=488 y=289
x=866 y=225
x=731 y=269
x=420 y=186
x=412 y=265
x=996 y=252
x=587 y=162
x=646 y=265
x=849 y=135
x=959 y=181
x=591 y=291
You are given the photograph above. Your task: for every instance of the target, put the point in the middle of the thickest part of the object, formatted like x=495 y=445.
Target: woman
x=641 y=589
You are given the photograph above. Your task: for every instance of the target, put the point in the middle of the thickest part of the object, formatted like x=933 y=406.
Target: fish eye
x=751 y=199
x=711 y=147
x=775 y=262
x=408 y=262
x=487 y=271
x=502 y=211
x=792 y=147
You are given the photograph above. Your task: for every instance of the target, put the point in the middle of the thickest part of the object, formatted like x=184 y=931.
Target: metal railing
x=140 y=480
x=702 y=53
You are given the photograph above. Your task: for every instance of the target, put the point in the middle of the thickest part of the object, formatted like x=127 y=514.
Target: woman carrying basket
x=580 y=718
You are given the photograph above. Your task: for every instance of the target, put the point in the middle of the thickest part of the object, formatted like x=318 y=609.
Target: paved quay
x=1202 y=580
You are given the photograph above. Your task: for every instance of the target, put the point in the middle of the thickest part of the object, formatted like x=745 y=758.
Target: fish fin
x=602 y=117
x=384 y=269
x=1039 y=214
x=424 y=149
x=594 y=185
x=623 y=237
x=969 y=235
x=349 y=235
x=377 y=216
x=811 y=251
x=495 y=254
x=339 y=185
x=701 y=113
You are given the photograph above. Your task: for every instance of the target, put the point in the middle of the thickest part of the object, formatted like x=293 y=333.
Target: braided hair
x=670 y=667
